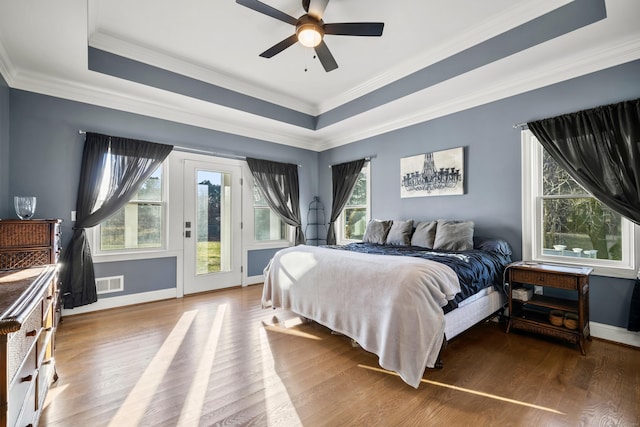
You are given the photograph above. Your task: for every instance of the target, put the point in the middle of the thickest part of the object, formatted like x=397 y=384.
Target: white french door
x=212 y=225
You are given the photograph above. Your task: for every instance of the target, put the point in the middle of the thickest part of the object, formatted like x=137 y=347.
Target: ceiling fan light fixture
x=309 y=34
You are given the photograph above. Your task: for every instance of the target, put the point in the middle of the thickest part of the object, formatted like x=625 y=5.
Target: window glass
x=574 y=222
x=266 y=224
x=355 y=214
x=563 y=223
x=138 y=224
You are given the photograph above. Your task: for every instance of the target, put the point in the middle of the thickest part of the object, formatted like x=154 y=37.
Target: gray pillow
x=376 y=232
x=400 y=233
x=454 y=235
x=425 y=234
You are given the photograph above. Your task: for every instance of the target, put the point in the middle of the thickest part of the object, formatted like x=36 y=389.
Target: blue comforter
x=476 y=268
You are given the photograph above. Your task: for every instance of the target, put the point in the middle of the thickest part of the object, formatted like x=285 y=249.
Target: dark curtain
x=279 y=184
x=344 y=177
x=634 y=313
x=600 y=149
x=131 y=163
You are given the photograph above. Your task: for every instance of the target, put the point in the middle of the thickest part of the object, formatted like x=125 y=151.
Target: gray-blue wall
x=144 y=275
x=46 y=152
x=493 y=166
x=4 y=147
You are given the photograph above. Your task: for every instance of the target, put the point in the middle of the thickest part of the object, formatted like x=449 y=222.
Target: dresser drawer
x=22 y=341
x=544 y=279
x=30 y=409
x=25 y=233
x=16 y=259
x=43 y=346
x=24 y=381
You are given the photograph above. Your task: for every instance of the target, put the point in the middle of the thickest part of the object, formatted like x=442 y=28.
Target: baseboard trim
x=615 y=334
x=121 y=301
x=254 y=280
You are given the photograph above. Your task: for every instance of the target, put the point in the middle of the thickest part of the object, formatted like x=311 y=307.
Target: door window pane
x=212 y=226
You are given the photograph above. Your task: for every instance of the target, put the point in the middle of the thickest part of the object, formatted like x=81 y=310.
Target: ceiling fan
x=311 y=29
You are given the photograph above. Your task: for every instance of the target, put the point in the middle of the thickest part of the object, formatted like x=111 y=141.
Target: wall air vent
x=105 y=285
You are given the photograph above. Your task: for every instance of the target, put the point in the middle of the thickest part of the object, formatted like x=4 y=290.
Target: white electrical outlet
x=73 y=215
x=537 y=290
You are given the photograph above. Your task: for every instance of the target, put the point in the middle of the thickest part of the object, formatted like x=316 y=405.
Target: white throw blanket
x=390 y=305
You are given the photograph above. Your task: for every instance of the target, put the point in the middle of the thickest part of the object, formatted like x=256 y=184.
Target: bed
x=401 y=293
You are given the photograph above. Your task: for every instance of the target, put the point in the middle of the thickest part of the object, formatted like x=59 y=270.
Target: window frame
x=532 y=211
x=340 y=223
x=128 y=254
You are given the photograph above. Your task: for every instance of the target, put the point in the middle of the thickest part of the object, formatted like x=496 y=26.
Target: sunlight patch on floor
x=275 y=387
x=192 y=409
x=138 y=399
x=293 y=332
x=466 y=390
x=53 y=393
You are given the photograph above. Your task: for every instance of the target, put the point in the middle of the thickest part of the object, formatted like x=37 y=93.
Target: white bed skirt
x=462 y=318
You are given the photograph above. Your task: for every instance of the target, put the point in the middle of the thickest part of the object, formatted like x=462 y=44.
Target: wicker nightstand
x=533 y=314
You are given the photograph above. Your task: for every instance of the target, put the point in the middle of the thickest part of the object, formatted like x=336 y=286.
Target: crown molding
x=187 y=111
x=196 y=71
x=516 y=15
x=140 y=99
x=566 y=68
x=6 y=67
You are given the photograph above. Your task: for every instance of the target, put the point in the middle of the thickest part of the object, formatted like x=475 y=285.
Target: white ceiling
x=43 y=48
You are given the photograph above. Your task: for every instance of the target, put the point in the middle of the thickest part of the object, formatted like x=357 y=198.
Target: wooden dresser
x=27 y=347
x=29 y=314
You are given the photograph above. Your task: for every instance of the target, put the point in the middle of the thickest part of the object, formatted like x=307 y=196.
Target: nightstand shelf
x=551 y=303
x=533 y=315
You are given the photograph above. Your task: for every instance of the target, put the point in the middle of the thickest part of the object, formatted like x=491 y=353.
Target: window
x=138 y=225
x=355 y=215
x=267 y=226
x=564 y=223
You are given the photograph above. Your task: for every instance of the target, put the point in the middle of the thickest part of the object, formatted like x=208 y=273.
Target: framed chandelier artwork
x=439 y=173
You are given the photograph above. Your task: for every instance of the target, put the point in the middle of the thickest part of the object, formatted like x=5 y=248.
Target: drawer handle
x=32 y=333
x=26 y=379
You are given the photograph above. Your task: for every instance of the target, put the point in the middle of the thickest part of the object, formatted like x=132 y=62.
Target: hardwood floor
x=219 y=359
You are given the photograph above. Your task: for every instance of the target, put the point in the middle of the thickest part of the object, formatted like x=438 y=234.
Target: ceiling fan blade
x=325 y=57
x=268 y=10
x=279 y=47
x=373 y=29
x=316 y=8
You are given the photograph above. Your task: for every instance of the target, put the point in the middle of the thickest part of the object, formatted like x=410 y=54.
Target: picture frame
x=437 y=173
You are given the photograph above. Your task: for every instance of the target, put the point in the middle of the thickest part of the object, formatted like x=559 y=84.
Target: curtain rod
x=366 y=159
x=521 y=126
x=198 y=151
